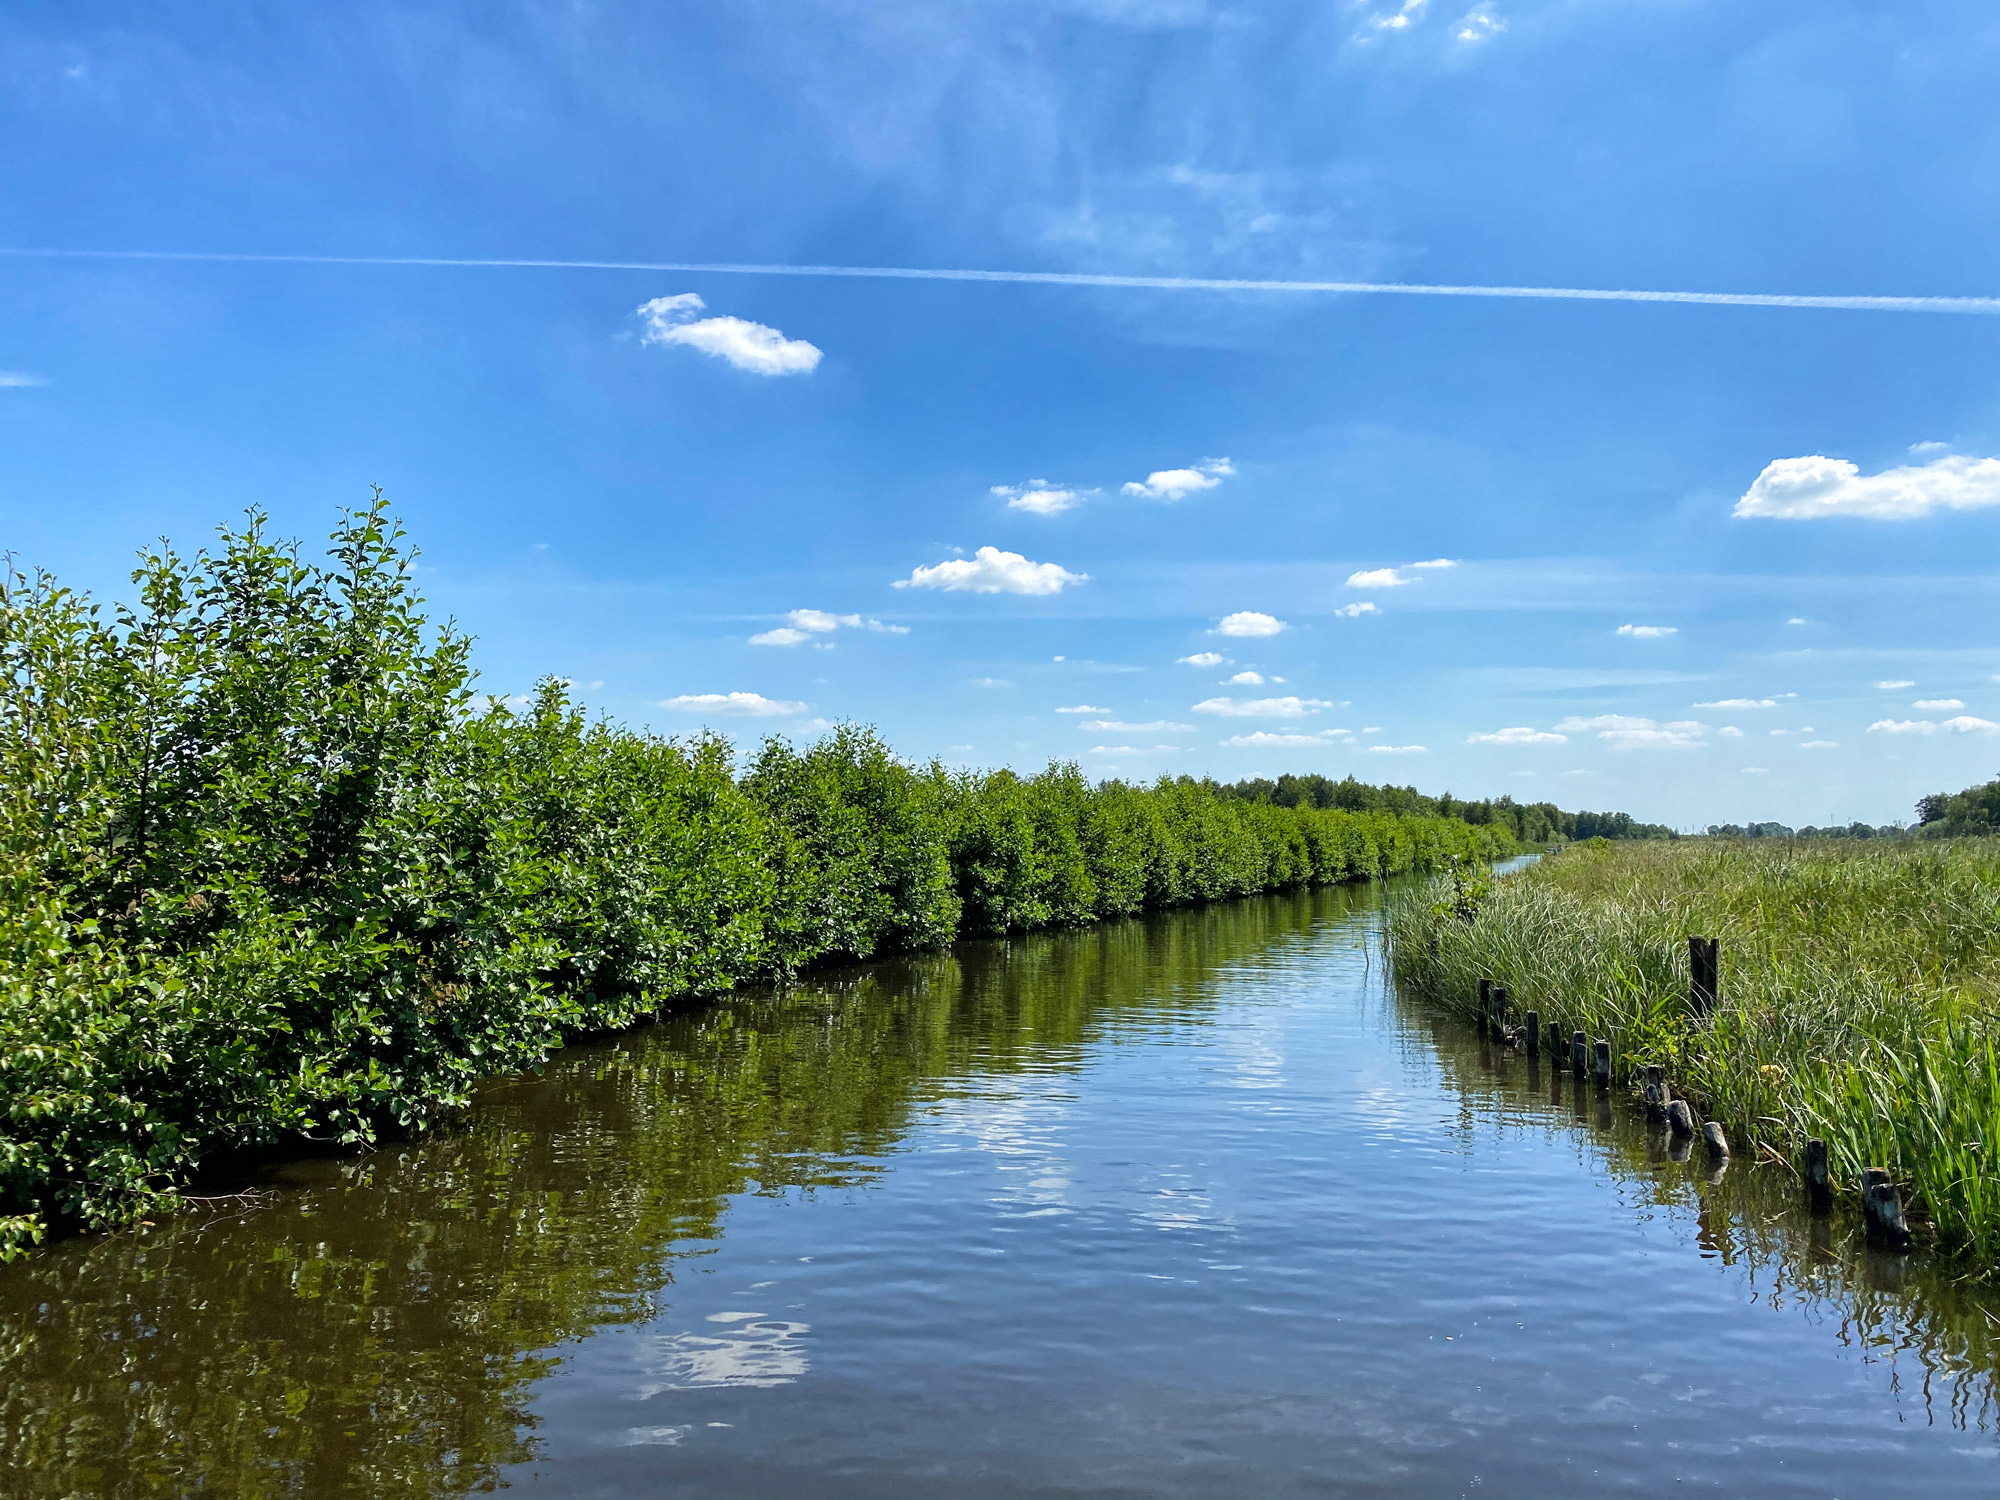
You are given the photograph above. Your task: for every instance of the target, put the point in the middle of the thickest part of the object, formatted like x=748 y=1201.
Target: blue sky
x=1690 y=546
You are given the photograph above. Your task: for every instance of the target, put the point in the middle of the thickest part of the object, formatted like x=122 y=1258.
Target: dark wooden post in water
x=1579 y=1053
x=1499 y=1012
x=1556 y=1042
x=1657 y=1093
x=1882 y=1206
x=1531 y=1030
x=1600 y=1063
x=1485 y=1007
x=1819 y=1191
x=1718 y=1143
x=1704 y=965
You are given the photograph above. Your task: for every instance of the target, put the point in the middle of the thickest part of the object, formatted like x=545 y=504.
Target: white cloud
x=1901 y=682
x=807 y=623
x=1377 y=578
x=1806 y=489
x=1397 y=750
x=1937 y=705
x=1630 y=732
x=1730 y=732
x=1256 y=679
x=1264 y=739
x=1798 y=620
x=1249 y=622
x=733 y=705
x=1041 y=497
x=1178 y=484
x=1205 y=659
x=748 y=346
x=1930 y=447
x=1156 y=726
x=1083 y=708
x=1130 y=749
x=991 y=571
x=15 y=380
x=1437 y=562
x=989 y=682
x=1962 y=724
x=1479 y=24
x=1372 y=729
x=1261 y=708
x=1740 y=703
x=1356 y=611
x=1649 y=632
x=1399 y=20
x=1820 y=745
x=1519 y=735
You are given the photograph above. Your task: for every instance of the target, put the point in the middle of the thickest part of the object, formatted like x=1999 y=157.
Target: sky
x=1701 y=562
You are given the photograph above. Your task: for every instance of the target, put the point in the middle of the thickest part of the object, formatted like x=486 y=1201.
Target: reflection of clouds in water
x=1017 y=1130
x=665 y=1437
x=748 y=1350
x=1179 y=1208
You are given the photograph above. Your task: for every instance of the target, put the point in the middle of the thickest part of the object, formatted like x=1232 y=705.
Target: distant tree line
x=1786 y=831
x=1530 y=822
x=1975 y=810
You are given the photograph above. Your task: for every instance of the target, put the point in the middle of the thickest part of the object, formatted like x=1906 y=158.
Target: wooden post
x=1704 y=964
x=1680 y=1120
x=1657 y=1093
x=1499 y=1012
x=1556 y=1041
x=1819 y=1191
x=1718 y=1143
x=1882 y=1206
x=1485 y=1007
x=1579 y=1053
x=1531 y=1029
x=1600 y=1063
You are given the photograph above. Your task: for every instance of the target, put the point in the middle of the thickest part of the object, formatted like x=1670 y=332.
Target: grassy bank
x=1860 y=992
x=270 y=867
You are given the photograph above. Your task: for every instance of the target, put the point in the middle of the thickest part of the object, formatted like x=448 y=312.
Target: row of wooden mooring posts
x=1881 y=1203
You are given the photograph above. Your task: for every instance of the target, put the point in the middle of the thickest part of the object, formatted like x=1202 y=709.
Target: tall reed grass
x=1860 y=992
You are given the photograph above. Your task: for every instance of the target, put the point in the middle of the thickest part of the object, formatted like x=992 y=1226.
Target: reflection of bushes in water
x=1754 y=1217
x=269 y=868
x=380 y=1334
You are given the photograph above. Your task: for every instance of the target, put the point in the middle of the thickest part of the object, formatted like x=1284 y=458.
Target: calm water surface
x=1190 y=1206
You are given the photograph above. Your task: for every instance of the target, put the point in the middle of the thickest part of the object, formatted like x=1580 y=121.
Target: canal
x=1185 y=1206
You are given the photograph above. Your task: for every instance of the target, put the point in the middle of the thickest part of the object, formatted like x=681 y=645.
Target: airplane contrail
x=1837 y=303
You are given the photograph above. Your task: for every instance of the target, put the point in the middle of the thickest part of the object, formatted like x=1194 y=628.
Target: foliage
x=1860 y=992
x=1529 y=822
x=1976 y=810
x=269 y=869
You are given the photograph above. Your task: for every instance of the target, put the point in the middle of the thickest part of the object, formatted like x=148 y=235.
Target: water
x=1189 y=1206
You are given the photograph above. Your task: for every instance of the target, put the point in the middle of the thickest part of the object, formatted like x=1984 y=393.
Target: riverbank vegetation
x=271 y=869
x=1860 y=992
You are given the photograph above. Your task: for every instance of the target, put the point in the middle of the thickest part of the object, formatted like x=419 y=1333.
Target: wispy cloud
x=807 y=623
x=1435 y=563
x=1478 y=25
x=1631 y=732
x=1204 y=659
x=733 y=705
x=1264 y=739
x=1816 y=487
x=1937 y=705
x=1155 y=726
x=1248 y=622
x=1819 y=745
x=14 y=380
x=1131 y=749
x=1261 y=708
x=1899 y=682
x=991 y=571
x=748 y=346
x=1400 y=18
x=1397 y=750
x=1041 y=498
x=1378 y=578
x=1519 y=735
x=1740 y=703
x=1962 y=724
x=1649 y=632
x=1083 y=708
x=1178 y=484
x=1357 y=610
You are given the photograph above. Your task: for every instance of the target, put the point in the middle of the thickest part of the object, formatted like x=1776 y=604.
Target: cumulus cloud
x=1378 y=578
x=1730 y=732
x=15 y=380
x=1740 y=703
x=1264 y=739
x=1178 y=484
x=733 y=705
x=807 y=623
x=748 y=346
x=1356 y=611
x=1937 y=705
x=1397 y=750
x=1156 y=726
x=1256 y=679
x=1807 y=489
x=1083 y=708
x=1649 y=632
x=991 y=571
x=1900 y=682
x=1631 y=732
x=1399 y=20
x=1261 y=708
x=1962 y=724
x=1478 y=24
x=1041 y=497
x=1249 y=622
x=1519 y=735
x=1205 y=659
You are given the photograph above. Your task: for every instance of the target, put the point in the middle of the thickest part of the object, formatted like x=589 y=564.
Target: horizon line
x=1829 y=302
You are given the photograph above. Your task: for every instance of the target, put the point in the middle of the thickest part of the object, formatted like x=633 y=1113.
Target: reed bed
x=1859 y=998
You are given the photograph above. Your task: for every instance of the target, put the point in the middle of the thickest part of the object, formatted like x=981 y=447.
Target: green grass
x=1860 y=993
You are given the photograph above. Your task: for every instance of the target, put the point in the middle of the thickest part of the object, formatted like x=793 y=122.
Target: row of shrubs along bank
x=273 y=870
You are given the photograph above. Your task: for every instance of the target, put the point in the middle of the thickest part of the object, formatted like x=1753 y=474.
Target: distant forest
x=1941 y=815
x=1530 y=822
